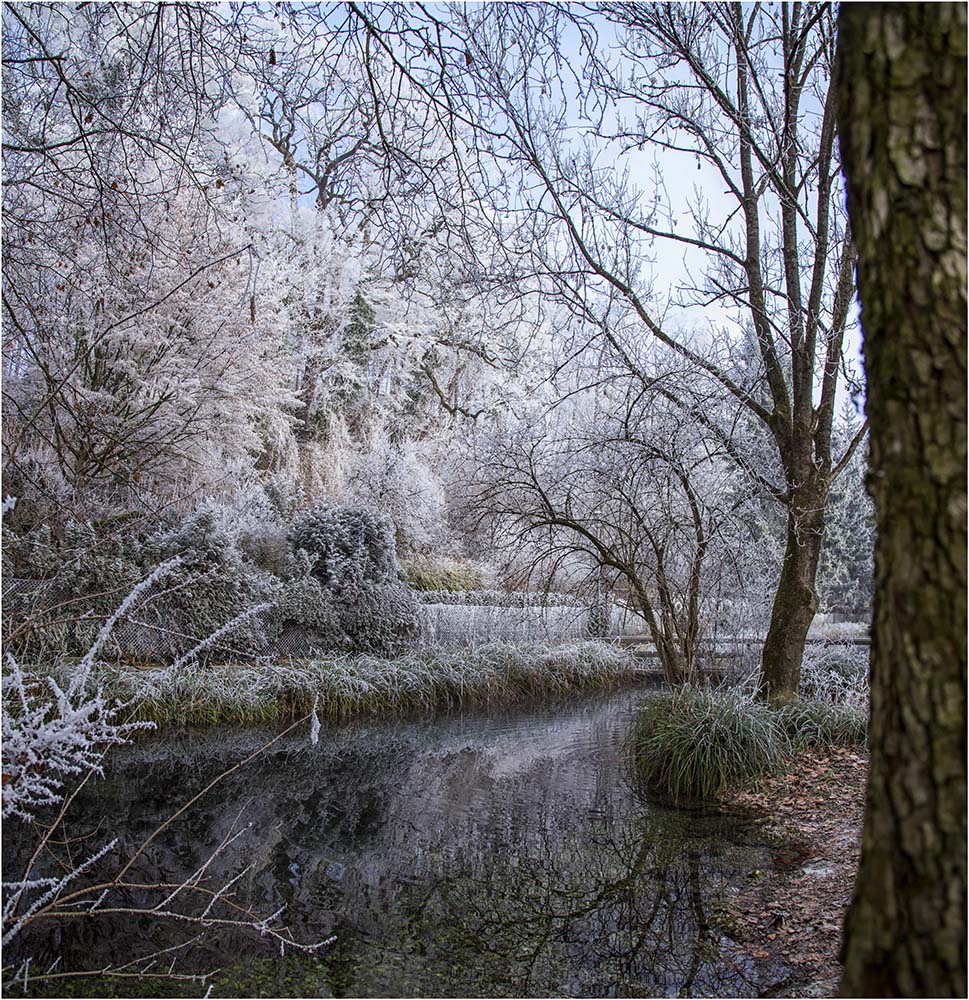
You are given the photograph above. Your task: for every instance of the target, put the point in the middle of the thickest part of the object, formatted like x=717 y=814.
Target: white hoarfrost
x=52 y=731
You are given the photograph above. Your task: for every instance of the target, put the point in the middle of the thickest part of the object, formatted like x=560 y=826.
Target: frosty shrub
x=262 y=539
x=96 y=564
x=333 y=585
x=352 y=555
x=257 y=519
x=211 y=587
x=50 y=734
x=304 y=621
x=347 y=545
x=54 y=728
x=836 y=673
x=378 y=618
x=29 y=553
x=59 y=590
x=310 y=620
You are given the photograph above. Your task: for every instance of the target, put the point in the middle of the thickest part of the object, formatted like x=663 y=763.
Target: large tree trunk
x=795 y=601
x=902 y=76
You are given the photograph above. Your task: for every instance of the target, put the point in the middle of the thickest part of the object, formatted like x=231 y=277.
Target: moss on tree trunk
x=902 y=82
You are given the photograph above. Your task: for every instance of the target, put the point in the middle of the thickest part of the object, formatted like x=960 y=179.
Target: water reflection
x=463 y=856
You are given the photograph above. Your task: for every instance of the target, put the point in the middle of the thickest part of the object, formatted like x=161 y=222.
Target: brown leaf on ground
x=796 y=914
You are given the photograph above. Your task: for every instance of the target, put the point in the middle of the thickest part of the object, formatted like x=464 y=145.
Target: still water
x=476 y=854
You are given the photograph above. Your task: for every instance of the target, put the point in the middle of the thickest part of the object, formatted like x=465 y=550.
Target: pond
x=474 y=854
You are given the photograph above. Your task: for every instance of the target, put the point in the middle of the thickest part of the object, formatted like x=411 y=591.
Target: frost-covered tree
x=131 y=349
x=740 y=98
x=144 y=365
x=619 y=480
x=104 y=109
x=401 y=479
x=846 y=569
x=393 y=317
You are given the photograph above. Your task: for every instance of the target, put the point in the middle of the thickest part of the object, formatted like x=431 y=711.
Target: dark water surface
x=481 y=854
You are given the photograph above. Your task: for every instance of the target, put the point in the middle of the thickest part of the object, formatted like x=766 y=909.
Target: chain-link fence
x=42 y=617
x=469 y=624
x=38 y=615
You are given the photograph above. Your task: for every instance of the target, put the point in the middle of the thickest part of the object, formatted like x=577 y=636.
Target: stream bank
x=796 y=915
x=340 y=687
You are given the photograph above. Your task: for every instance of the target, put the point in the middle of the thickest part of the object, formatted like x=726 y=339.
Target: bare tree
x=743 y=95
x=623 y=484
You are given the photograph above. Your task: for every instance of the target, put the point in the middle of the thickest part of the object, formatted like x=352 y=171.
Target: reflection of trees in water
x=449 y=858
x=284 y=798
x=625 y=912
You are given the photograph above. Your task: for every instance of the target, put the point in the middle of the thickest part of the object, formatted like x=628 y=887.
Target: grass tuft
x=695 y=742
x=817 y=723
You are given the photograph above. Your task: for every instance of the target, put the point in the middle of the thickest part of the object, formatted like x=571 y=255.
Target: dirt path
x=795 y=916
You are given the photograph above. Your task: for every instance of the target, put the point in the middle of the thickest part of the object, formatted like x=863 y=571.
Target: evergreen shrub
x=212 y=586
x=347 y=546
x=351 y=553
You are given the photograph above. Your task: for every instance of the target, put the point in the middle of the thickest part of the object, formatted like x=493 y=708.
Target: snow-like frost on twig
x=315 y=723
x=218 y=633
x=49 y=732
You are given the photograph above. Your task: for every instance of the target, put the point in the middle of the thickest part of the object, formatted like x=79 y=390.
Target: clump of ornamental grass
x=440 y=574
x=696 y=742
x=343 y=686
x=811 y=723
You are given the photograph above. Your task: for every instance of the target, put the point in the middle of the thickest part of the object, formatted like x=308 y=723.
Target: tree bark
x=795 y=601
x=902 y=82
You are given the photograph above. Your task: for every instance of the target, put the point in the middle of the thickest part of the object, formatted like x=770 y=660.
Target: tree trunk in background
x=795 y=602
x=902 y=80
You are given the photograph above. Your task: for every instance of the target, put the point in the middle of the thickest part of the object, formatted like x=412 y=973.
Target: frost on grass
x=342 y=686
x=836 y=673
